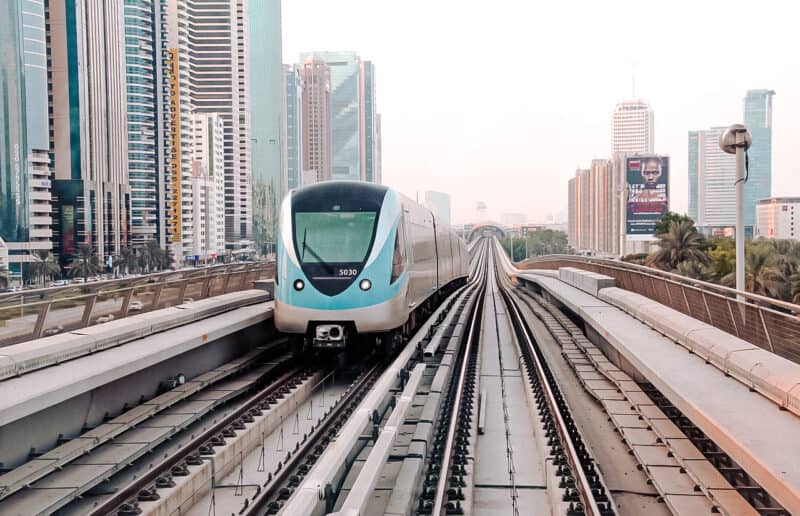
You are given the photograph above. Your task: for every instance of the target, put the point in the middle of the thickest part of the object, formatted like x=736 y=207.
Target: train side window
x=399 y=257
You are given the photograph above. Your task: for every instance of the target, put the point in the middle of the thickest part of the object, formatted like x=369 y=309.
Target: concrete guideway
x=33 y=392
x=721 y=406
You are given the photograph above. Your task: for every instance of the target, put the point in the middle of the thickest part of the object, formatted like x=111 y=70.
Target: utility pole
x=736 y=140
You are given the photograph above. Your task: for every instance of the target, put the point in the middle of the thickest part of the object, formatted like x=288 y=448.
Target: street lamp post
x=736 y=140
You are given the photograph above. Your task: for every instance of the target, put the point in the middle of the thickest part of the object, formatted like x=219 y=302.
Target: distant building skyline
x=294 y=126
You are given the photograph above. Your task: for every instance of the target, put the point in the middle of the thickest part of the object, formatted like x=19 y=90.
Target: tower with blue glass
x=758 y=120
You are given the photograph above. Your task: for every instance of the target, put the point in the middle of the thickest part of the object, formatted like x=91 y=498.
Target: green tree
x=547 y=241
x=695 y=270
x=662 y=226
x=760 y=274
x=682 y=242
x=126 y=261
x=722 y=251
x=44 y=266
x=85 y=263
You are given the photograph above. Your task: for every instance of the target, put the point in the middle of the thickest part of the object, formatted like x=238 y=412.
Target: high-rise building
x=378 y=150
x=712 y=182
x=355 y=127
x=439 y=204
x=578 y=206
x=369 y=127
x=145 y=49
x=293 y=147
x=207 y=240
x=217 y=46
x=758 y=120
x=88 y=125
x=316 y=121
x=25 y=220
x=632 y=129
x=775 y=218
x=601 y=207
x=267 y=104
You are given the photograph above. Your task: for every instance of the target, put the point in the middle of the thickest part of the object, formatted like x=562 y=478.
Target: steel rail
x=582 y=483
x=111 y=505
x=440 y=501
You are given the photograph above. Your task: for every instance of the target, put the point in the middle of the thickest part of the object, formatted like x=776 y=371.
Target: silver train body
x=358 y=257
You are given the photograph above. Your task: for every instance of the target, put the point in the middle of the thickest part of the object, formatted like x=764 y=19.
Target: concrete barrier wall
x=589 y=282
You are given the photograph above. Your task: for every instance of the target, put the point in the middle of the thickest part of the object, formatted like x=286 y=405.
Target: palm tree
x=760 y=274
x=695 y=270
x=45 y=266
x=85 y=263
x=126 y=261
x=681 y=243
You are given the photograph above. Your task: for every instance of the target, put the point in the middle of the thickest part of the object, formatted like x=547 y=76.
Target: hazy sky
x=502 y=100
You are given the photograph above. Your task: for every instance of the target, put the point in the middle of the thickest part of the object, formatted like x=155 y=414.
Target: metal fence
x=36 y=314
x=768 y=323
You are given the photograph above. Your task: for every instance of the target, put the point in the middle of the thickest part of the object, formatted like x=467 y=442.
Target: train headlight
x=299 y=284
x=365 y=285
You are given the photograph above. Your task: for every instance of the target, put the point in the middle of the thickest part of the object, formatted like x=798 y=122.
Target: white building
x=712 y=180
x=775 y=218
x=632 y=129
x=439 y=204
x=206 y=240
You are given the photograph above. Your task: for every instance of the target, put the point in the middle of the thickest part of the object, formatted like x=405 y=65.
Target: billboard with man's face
x=648 y=199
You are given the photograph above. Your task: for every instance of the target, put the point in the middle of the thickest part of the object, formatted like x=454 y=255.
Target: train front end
x=337 y=272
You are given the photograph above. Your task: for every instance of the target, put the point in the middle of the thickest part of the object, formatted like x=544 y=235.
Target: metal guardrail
x=767 y=323
x=22 y=320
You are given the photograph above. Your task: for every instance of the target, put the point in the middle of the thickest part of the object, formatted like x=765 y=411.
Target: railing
x=54 y=311
x=768 y=323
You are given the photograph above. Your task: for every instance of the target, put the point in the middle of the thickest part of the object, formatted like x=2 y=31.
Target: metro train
x=360 y=259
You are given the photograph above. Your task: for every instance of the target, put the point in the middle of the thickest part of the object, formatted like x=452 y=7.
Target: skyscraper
x=207 y=187
x=217 y=48
x=294 y=127
x=355 y=128
x=578 y=206
x=144 y=51
x=88 y=125
x=317 y=141
x=267 y=106
x=369 y=129
x=758 y=120
x=632 y=129
x=25 y=222
x=712 y=182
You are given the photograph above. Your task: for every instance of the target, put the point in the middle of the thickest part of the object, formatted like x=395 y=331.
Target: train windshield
x=333 y=237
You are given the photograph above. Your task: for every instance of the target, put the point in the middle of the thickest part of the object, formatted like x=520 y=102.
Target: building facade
x=217 y=44
x=775 y=218
x=355 y=122
x=145 y=48
x=712 y=182
x=439 y=204
x=316 y=121
x=293 y=147
x=88 y=126
x=578 y=211
x=25 y=213
x=267 y=105
x=632 y=129
x=758 y=120
x=207 y=239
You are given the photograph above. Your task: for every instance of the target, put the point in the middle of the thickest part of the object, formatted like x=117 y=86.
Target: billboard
x=647 y=195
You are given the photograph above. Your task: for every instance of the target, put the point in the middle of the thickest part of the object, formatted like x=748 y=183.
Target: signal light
x=299 y=285
x=365 y=285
